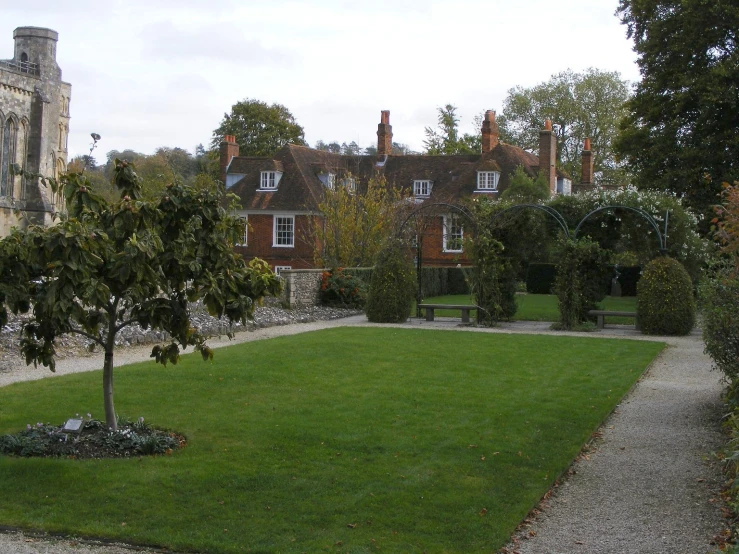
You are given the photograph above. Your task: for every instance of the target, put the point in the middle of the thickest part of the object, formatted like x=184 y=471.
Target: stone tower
x=34 y=126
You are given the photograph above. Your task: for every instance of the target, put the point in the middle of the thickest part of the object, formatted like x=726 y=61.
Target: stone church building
x=34 y=125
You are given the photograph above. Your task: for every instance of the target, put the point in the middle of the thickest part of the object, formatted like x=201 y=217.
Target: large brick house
x=280 y=194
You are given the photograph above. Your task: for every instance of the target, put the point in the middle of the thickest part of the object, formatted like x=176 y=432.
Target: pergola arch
x=461 y=210
x=646 y=215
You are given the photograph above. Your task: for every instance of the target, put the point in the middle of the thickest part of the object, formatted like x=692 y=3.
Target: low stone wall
x=301 y=287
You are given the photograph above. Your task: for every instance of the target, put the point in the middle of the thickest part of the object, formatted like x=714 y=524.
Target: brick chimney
x=489 y=132
x=548 y=155
x=229 y=149
x=587 y=164
x=384 y=134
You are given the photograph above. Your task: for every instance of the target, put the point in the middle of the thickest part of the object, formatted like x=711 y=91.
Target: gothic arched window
x=7 y=157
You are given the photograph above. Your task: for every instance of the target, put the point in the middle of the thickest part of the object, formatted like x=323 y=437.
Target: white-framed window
x=245 y=239
x=279 y=268
x=269 y=180
x=453 y=234
x=487 y=180
x=422 y=187
x=284 y=231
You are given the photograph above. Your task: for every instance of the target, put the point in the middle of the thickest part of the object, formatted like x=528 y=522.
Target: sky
x=151 y=73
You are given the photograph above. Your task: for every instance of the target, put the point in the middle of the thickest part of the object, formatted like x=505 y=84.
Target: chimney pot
x=548 y=125
x=586 y=146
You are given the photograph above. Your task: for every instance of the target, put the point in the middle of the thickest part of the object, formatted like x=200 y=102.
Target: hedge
x=540 y=278
x=441 y=281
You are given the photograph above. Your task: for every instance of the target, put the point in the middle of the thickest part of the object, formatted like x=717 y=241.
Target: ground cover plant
x=537 y=307
x=324 y=442
x=94 y=440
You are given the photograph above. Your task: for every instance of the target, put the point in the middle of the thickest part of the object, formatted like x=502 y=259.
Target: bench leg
x=465 y=316
x=601 y=321
x=429 y=314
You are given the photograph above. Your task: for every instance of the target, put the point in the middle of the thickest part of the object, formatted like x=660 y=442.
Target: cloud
x=212 y=42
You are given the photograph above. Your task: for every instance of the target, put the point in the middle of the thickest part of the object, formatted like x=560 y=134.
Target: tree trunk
x=110 y=417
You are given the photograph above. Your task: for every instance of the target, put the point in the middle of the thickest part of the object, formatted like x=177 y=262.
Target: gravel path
x=648 y=487
x=645 y=487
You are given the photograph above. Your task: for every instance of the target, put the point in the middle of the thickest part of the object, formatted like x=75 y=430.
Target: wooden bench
x=465 y=309
x=601 y=314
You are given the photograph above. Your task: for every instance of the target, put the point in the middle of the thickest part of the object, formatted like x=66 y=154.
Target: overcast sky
x=156 y=73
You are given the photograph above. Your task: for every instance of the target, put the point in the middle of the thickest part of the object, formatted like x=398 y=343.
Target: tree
x=260 y=129
x=106 y=265
x=445 y=139
x=524 y=189
x=727 y=223
x=580 y=105
x=680 y=130
x=356 y=222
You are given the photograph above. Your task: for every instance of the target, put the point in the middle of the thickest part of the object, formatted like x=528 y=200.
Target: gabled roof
x=300 y=189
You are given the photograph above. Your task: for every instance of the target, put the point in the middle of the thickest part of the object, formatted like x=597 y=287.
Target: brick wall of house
x=433 y=244
x=260 y=243
x=260 y=240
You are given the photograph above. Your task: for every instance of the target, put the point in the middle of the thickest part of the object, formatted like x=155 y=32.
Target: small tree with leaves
x=356 y=221
x=106 y=266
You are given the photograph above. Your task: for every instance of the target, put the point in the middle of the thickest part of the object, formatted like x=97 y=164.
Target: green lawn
x=535 y=307
x=343 y=440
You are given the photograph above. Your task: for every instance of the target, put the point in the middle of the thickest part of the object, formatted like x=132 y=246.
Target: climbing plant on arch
x=582 y=263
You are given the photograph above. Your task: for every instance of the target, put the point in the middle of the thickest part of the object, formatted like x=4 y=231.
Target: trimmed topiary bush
x=393 y=285
x=665 y=304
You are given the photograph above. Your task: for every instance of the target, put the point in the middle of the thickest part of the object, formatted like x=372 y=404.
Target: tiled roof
x=300 y=189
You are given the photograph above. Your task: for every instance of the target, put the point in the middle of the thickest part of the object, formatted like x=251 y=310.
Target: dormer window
x=349 y=184
x=328 y=180
x=270 y=180
x=422 y=188
x=487 y=180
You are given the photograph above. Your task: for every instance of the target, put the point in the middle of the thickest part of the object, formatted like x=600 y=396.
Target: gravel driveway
x=647 y=485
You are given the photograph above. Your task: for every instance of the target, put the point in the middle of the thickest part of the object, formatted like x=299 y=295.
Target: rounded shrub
x=393 y=285
x=665 y=304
